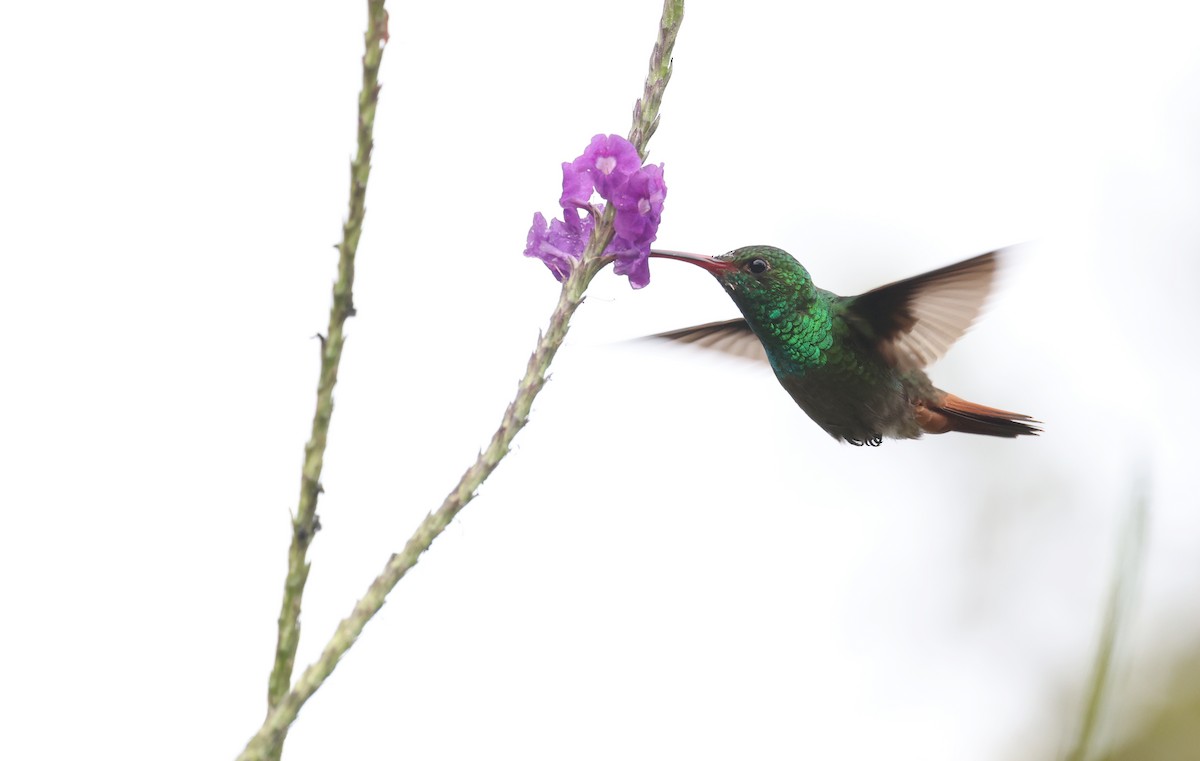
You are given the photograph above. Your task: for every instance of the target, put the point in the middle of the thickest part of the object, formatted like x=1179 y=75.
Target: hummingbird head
x=755 y=276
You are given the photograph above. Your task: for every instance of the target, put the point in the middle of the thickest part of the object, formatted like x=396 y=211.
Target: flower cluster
x=610 y=168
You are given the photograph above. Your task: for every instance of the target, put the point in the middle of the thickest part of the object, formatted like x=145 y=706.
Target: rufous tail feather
x=954 y=414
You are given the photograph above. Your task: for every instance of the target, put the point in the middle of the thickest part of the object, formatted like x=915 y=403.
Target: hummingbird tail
x=951 y=413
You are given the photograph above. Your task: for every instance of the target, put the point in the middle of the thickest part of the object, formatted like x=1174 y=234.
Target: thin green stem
x=304 y=522
x=645 y=111
x=1126 y=575
x=274 y=729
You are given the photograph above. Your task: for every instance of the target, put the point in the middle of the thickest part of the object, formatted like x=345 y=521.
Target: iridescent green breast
x=796 y=340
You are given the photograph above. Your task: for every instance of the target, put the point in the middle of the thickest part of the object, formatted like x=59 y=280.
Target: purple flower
x=639 y=205
x=560 y=244
x=610 y=167
x=605 y=165
x=635 y=264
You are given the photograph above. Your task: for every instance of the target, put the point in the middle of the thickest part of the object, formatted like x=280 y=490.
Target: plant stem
x=270 y=736
x=1121 y=593
x=274 y=729
x=304 y=522
x=645 y=111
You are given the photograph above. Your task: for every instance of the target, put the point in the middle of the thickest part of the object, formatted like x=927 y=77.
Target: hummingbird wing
x=913 y=322
x=733 y=337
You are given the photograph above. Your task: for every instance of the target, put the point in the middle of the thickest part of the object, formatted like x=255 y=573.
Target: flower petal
x=636 y=265
x=540 y=243
x=609 y=166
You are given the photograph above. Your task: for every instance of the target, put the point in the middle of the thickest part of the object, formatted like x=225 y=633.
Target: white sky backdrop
x=674 y=562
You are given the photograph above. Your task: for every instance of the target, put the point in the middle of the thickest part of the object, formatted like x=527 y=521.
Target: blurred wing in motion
x=732 y=337
x=915 y=321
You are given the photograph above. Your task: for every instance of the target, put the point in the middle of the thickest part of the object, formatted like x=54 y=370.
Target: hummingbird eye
x=758 y=266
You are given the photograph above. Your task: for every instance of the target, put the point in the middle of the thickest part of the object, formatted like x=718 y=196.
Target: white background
x=674 y=562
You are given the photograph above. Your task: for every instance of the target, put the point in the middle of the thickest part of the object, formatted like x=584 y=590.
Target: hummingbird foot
x=874 y=441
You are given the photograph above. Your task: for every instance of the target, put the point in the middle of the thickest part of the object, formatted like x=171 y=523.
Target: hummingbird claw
x=874 y=441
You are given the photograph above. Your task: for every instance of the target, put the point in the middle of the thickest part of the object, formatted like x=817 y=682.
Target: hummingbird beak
x=714 y=265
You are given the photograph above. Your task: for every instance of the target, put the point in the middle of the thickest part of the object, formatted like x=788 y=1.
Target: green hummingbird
x=855 y=364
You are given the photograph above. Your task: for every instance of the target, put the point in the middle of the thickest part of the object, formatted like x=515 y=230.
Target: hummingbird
x=855 y=364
